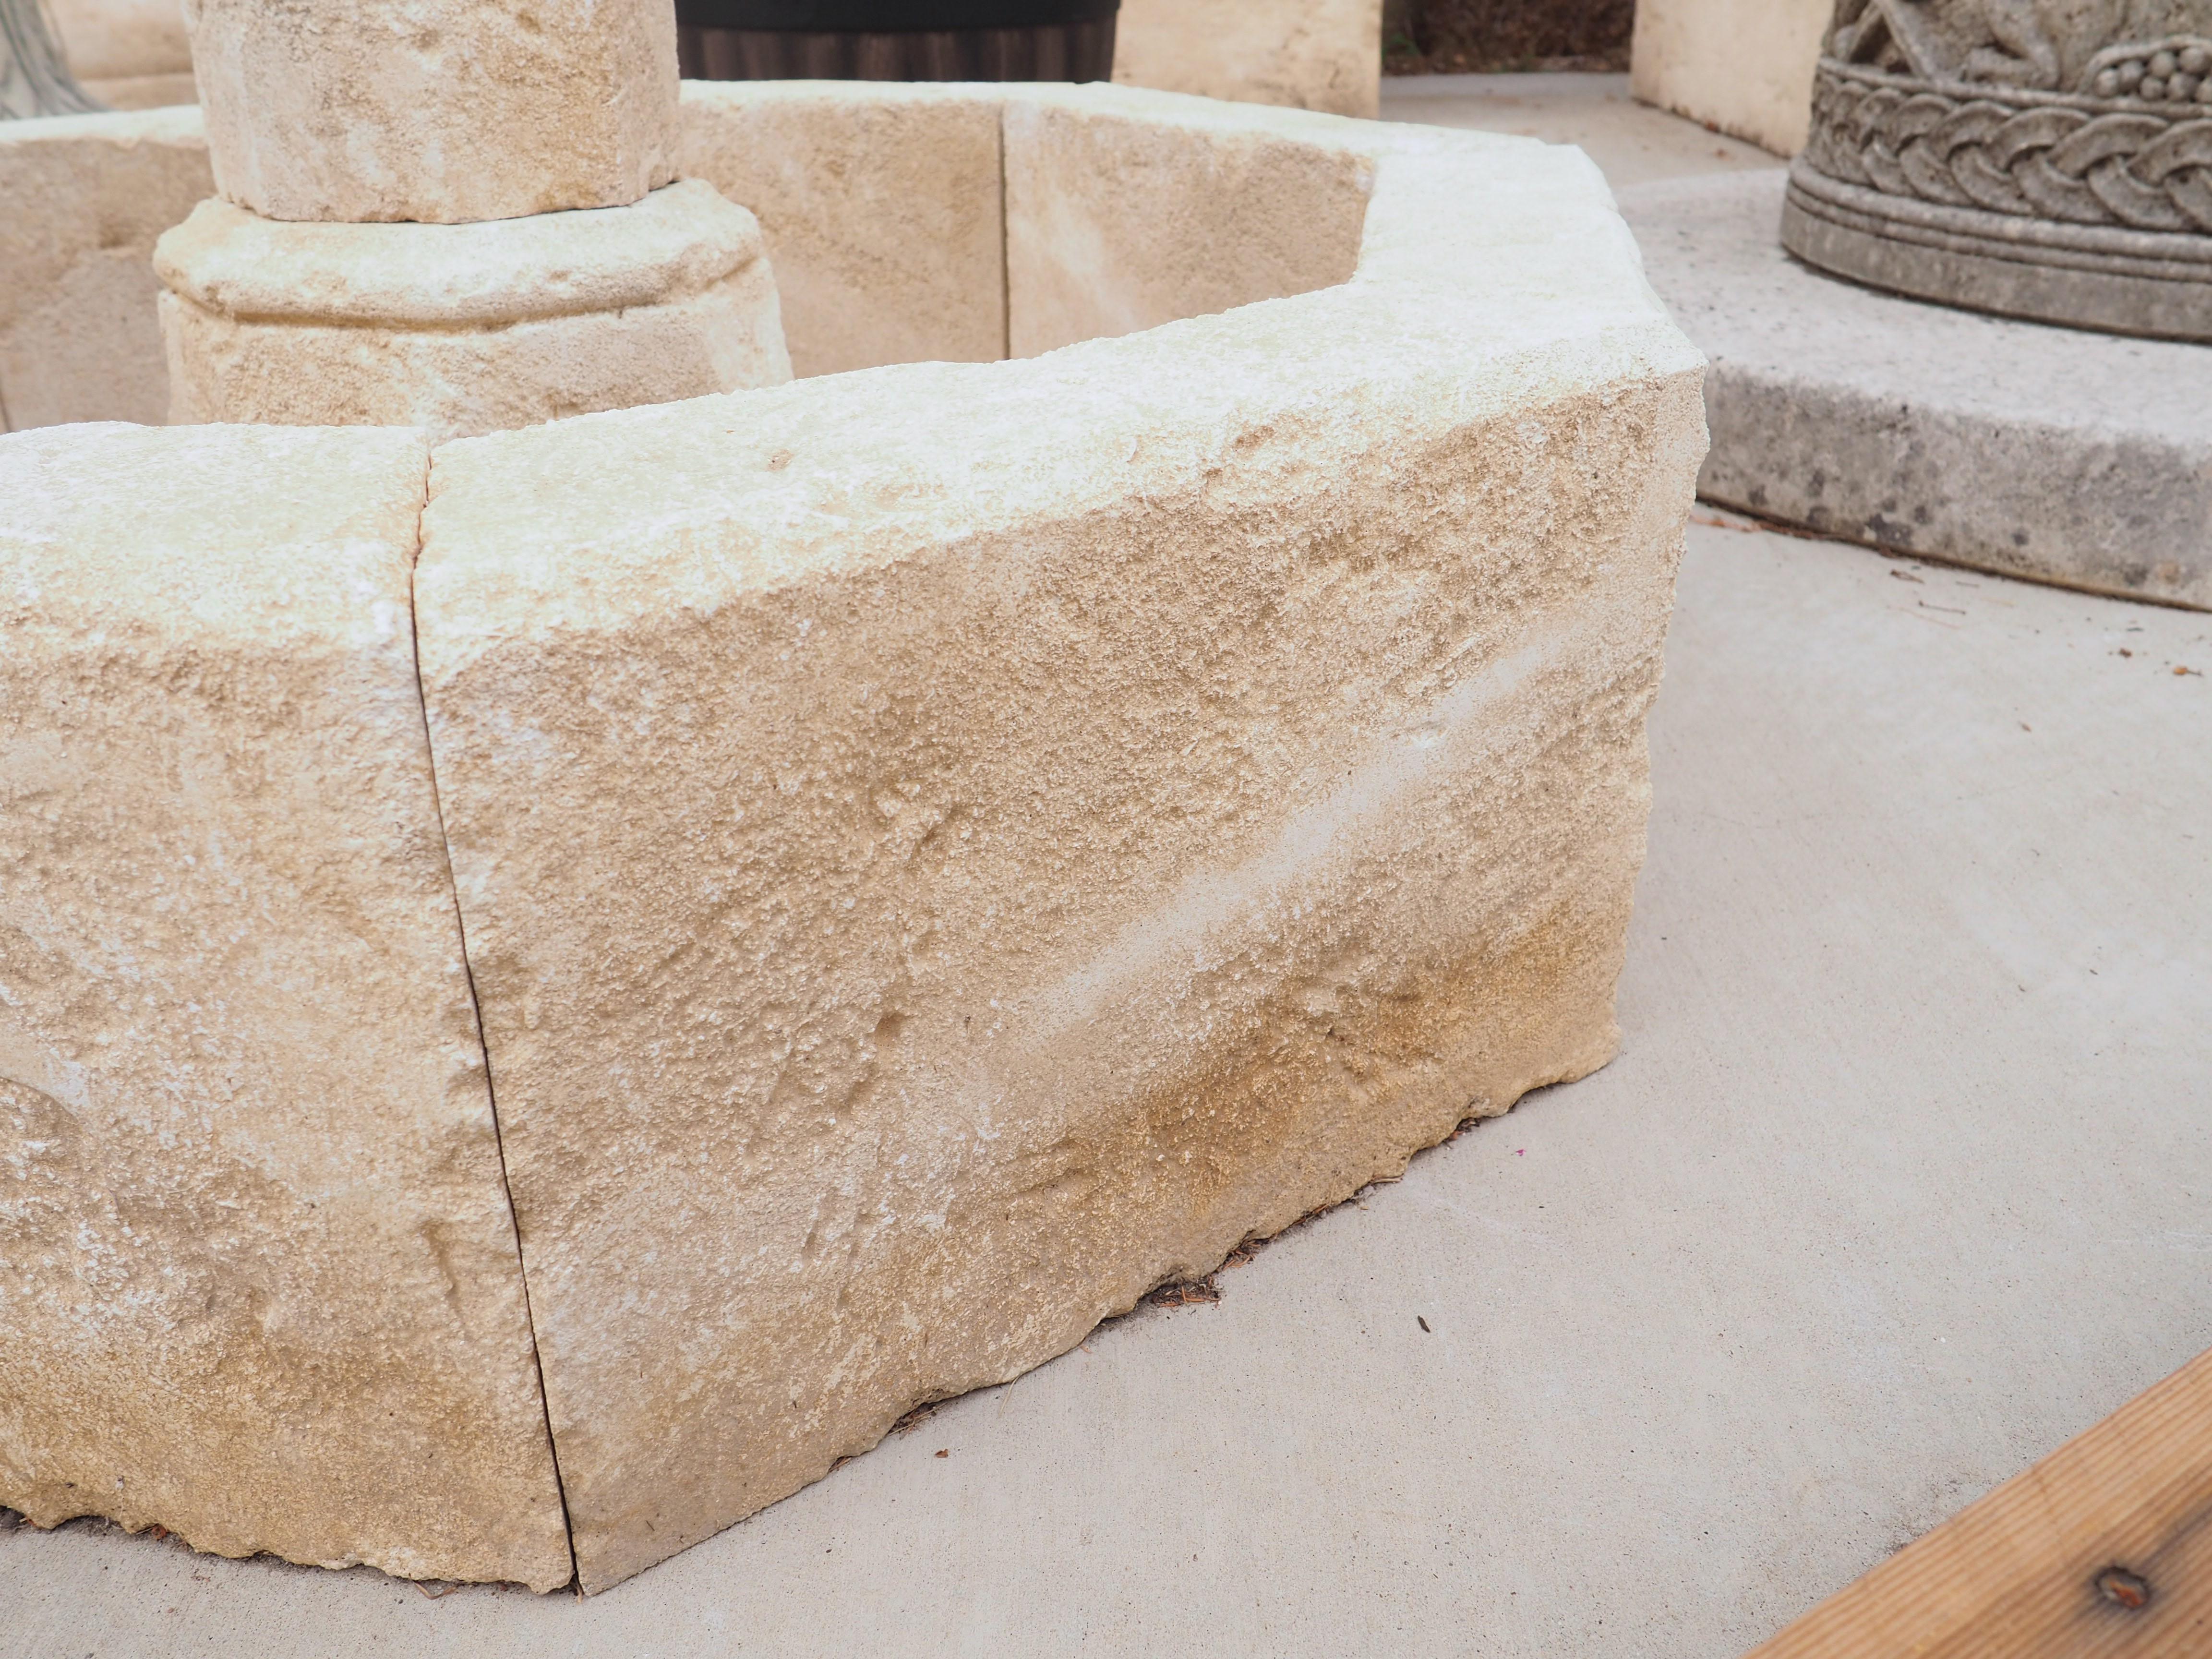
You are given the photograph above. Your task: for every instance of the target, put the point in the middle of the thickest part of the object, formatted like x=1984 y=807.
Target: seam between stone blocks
x=1006 y=235
x=475 y=1011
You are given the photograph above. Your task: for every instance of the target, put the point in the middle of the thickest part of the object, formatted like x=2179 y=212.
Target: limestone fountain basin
x=553 y=985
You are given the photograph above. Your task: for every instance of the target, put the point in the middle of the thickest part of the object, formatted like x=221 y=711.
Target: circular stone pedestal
x=2045 y=162
x=465 y=329
x=2050 y=453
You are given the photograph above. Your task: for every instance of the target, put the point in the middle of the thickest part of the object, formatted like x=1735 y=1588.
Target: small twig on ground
x=914 y=1419
x=1185 y=1293
x=1753 y=524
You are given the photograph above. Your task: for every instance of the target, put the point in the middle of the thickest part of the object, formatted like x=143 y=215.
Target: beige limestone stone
x=123 y=39
x=446 y=111
x=881 y=206
x=1122 y=218
x=137 y=92
x=85 y=197
x=1743 y=66
x=258 y=1271
x=1307 y=54
x=947 y=848
x=464 y=329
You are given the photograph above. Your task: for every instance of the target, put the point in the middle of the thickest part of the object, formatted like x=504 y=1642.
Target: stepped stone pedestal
x=452 y=216
x=466 y=328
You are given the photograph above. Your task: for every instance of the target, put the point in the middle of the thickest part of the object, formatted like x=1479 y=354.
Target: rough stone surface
x=446 y=111
x=1743 y=66
x=1142 y=800
x=1306 y=54
x=2039 y=452
x=140 y=92
x=883 y=208
x=947 y=847
x=123 y=39
x=2042 y=161
x=85 y=197
x=258 y=1271
x=1118 y=220
x=464 y=329
x=1910 y=1055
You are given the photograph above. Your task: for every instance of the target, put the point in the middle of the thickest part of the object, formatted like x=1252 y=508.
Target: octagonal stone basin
x=552 y=987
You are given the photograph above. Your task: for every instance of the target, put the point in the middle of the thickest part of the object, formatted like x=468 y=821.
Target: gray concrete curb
x=2052 y=453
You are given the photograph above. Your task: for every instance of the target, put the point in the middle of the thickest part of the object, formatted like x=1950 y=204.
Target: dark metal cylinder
x=896 y=39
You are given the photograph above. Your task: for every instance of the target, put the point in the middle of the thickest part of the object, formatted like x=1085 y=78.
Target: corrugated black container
x=896 y=39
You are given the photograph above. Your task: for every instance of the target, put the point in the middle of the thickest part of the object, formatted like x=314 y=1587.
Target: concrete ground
x=1903 y=1176
x=1634 y=144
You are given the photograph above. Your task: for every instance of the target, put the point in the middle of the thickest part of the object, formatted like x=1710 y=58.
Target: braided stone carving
x=2048 y=159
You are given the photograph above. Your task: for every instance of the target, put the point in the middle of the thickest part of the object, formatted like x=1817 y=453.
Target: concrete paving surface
x=1903 y=1176
x=1634 y=144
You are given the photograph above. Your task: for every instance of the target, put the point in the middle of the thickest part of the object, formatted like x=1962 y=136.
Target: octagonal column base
x=465 y=329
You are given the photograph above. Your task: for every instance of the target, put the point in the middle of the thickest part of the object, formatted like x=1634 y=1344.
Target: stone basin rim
x=672 y=243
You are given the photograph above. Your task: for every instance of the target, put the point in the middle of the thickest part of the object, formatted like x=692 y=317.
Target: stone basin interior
x=905 y=224
x=956 y=226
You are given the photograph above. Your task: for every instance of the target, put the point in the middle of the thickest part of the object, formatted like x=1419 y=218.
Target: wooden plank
x=2103 y=1549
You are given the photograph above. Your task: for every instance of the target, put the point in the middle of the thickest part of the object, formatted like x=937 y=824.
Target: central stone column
x=457 y=215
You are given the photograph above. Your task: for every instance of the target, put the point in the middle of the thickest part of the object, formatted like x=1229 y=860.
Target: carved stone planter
x=2009 y=156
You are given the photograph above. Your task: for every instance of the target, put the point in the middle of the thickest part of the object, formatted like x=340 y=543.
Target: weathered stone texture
x=1745 y=66
x=1117 y=222
x=85 y=197
x=123 y=39
x=942 y=848
x=882 y=208
x=930 y=880
x=1305 y=54
x=258 y=1273
x=2048 y=454
x=2051 y=162
x=462 y=329
x=444 y=111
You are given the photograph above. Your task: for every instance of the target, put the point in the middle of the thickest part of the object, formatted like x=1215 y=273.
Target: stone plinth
x=463 y=328
x=2050 y=454
x=258 y=1271
x=442 y=111
x=944 y=849
x=2051 y=167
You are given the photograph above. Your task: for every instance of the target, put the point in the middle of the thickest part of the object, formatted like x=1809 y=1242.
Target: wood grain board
x=2104 y=1549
